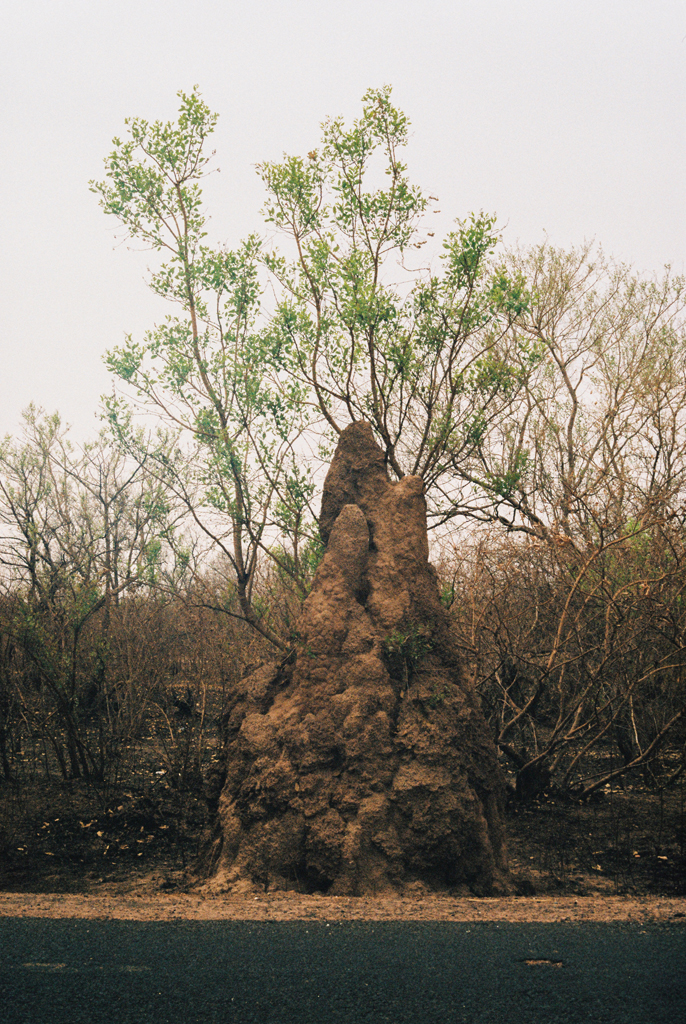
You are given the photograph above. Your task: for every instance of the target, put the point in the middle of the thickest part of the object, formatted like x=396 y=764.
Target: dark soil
x=64 y=837
x=625 y=842
x=69 y=837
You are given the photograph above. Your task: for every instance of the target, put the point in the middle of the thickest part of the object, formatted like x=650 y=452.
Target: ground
x=71 y=850
x=295 y=907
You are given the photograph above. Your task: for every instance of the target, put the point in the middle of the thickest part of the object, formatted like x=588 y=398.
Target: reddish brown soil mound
x=364 y=765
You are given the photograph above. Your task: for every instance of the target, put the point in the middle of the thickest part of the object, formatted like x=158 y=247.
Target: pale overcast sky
x=564 y=117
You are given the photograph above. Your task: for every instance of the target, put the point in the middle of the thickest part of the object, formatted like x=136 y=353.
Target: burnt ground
x=144 y=838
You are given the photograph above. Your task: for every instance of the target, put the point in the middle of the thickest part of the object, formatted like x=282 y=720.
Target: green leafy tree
x=426 y=355
x=208 y=371
x=431 y=364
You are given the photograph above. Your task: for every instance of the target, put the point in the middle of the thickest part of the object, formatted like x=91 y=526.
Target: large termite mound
x=364 y=764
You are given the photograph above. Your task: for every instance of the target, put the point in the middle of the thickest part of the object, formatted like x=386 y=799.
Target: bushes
x=148 y=694
x=103 y=618
x=580 y=652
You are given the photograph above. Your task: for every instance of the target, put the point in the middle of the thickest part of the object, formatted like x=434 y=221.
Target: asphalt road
x=121 y=972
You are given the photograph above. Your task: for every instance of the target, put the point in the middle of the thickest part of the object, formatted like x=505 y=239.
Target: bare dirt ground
x=296 y=907
x=67 y=851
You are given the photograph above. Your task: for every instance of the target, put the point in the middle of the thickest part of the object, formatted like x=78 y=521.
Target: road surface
x=236 y=972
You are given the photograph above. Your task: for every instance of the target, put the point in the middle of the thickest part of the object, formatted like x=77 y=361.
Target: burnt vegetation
x=117 y=667
x=540 y=396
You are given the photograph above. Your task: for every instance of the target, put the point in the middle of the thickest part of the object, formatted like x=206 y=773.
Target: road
x=228 y=972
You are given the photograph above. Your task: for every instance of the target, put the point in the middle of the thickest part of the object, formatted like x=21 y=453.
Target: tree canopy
x=359 y=329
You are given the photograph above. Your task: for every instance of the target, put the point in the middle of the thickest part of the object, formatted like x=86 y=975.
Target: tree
x=595 y=438
x=208 y=372
x=81 y=529
x=581 y=635
x=427 y=356
x=431 y=365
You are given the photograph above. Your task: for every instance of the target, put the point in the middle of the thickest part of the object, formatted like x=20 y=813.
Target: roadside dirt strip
x=284 y=907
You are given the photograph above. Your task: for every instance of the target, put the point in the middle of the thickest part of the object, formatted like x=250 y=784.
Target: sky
x=566 y=118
